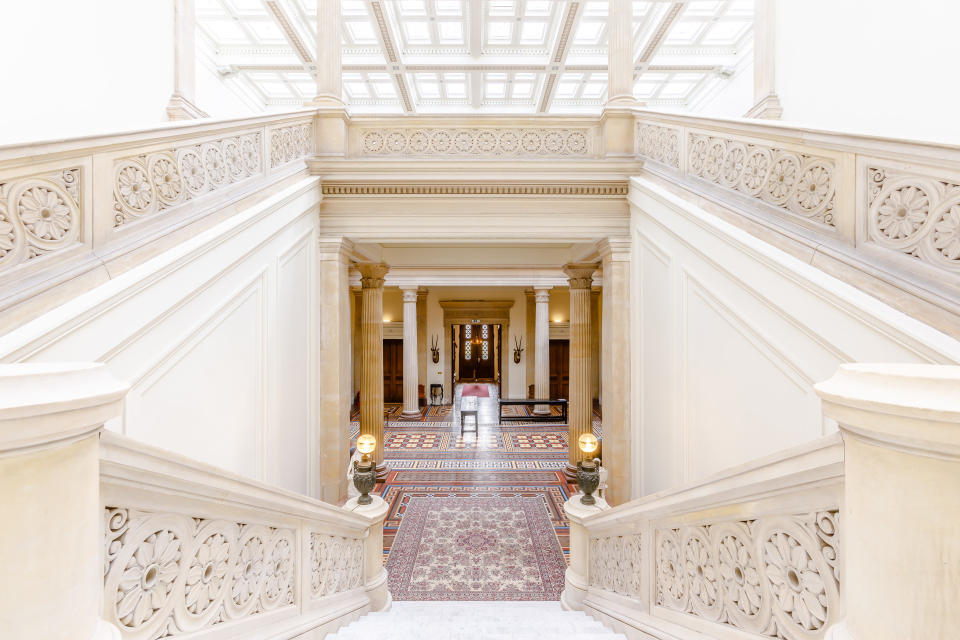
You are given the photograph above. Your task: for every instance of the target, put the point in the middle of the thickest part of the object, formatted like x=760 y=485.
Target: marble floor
x=430 y=458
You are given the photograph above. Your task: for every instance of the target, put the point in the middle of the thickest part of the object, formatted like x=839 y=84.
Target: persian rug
x=478 y=390
x=483 y=548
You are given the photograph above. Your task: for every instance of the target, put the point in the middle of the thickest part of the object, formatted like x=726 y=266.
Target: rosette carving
x=800 y=184
x=169 y=574
x=616 y=564
x=148 y=184
x=658 y=143
x=915 y=215
x=336 y=564
x=473 y=142
x=291 y=143
x=39 y=215
x=776 y=576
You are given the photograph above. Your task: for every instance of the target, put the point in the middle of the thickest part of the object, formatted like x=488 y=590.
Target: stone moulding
x=472 y=142
x=618 y=189
x=39 y=214
x=290 y=143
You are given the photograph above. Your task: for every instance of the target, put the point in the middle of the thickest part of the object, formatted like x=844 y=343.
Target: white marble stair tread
x=480 y=620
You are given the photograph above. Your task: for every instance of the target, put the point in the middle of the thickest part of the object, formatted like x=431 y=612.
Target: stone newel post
x=50 y=537
x=371 y=381
x=577 y=575
x=581 y=398
x=900 y=525
x=374 y=574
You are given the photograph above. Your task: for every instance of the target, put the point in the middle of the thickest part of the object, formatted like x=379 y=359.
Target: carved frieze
x=616 y=564
x=658 y=143
x=775 y=576
x=150 y=183
x=914 y=214
x=336 y=564
x=290 y=143
x=496 y=142
x=798 y=183
x=39 y=214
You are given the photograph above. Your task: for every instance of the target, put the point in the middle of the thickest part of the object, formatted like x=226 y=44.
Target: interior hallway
x=484 y=510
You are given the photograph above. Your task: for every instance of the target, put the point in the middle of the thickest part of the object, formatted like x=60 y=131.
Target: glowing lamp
x=364 y=471
x=588 y=473
x=367 y=443
x=588 y=443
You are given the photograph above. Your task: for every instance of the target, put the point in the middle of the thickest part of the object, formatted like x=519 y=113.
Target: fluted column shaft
x=581 y=339
x=530 y=344
x=422 y=353
x=542 y=363
x=371 y=376
x=620 y=53
x=410 y=369
x=328 y=54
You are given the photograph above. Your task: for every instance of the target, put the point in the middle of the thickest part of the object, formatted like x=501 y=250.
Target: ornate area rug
x=487 y=548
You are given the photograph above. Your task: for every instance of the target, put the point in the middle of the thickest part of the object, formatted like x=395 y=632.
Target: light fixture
x=364 y=470
x=588 y=474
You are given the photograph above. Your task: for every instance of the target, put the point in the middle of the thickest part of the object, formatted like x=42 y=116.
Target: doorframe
x=455 y=359
x=475 y=312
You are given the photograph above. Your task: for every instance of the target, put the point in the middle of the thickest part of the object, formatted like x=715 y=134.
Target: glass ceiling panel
x=480 y=56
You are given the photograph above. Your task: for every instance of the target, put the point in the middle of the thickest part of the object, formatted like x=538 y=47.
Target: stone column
x=356 y=313
x=620 y=53
x=766 y=102
x=329 y=91
x=371 y=381
x=595 y=344
x=182 y=104
x=423 y=353
x=615 y=369
x=530 y=348
x=900 y=519
x=580 y=397
x=50 y=538
x=331 y=435
x=542 y=364
x=410 y=369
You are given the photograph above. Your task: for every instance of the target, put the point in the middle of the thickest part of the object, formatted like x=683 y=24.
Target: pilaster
x=182 y=104
x=766 y=102
x=530 y=346
x=331 y=433
x=615 y=368
x=422 y=350
x=580 y=398
x=371 y=381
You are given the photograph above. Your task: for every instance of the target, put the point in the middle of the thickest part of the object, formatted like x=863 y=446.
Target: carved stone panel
x=616 y=564
x=39 y=215
x=498 y=142
x=336 y=564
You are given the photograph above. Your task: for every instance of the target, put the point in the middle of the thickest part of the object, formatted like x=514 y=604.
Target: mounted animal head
x=517 y=349
x=435 y=348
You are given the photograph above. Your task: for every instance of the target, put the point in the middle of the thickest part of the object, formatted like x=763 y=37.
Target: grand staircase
x=480 y=620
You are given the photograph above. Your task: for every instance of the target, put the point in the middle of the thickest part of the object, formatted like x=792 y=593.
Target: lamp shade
x=366 y=443
x=588 y=443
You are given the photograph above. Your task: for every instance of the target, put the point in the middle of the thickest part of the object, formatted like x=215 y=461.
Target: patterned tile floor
x=429 y=457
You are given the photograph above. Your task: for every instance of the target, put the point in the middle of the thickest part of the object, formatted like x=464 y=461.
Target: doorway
x=560 y=369
x=392 y=370
x=477 y=349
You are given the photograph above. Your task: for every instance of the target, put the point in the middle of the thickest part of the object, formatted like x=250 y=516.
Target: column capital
x=614 y=249
x=336 y=246
x=422 y=293
x=911 y=407
x=542 y=293
x=409 y=294
x=580 y=274
x=372 y=273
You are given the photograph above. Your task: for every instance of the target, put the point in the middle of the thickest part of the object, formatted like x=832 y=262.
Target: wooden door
x=392 y=370
x=476 y=355
x=559 y=369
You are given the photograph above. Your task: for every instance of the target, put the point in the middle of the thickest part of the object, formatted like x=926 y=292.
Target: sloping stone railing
x=66 y=205
x=893 y=205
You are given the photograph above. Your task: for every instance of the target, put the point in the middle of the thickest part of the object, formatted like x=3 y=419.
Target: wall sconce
x=517 y=349
x=588 y=474
x=364 y=470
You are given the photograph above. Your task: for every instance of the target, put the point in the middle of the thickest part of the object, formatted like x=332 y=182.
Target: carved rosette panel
x=616 y=563
x=476 y=142
x=916 y=215
x=168 y=574
x=148 y=184
x=336 y=564
x=290 y=143
x=794 y=182
x=776 y=576
x=659 y=143
x=39 y=215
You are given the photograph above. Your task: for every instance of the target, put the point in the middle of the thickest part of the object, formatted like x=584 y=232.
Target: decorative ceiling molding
x=559 y=57
x=607 y=190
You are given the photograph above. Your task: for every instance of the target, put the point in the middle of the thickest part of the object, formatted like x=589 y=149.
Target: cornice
x=616 y=190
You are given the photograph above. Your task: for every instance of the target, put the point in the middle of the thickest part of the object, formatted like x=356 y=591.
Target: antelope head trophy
x=517 y=349
x=435 y=349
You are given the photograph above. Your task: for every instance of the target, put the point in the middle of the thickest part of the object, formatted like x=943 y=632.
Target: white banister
x=901 y=514
x=50 y=419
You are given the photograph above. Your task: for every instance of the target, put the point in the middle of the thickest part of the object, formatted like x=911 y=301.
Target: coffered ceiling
x=473 y=56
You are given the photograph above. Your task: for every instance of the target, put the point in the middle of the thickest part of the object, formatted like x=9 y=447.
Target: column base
x=382 y=471
x=570 y=472
x=410 y=414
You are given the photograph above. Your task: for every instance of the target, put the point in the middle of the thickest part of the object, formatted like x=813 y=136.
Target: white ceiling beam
x=560 y=50
x=391 y=55
x=476 y=28
x=659 y=35
x=283 y=21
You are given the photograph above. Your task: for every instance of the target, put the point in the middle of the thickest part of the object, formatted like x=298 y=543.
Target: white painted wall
x=75 y=68
x=873 y=66
x=730 y=334
x=217 y=338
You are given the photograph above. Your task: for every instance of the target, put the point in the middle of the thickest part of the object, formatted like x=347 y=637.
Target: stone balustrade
x=66 y=206
x=122 y=540
x=808 y=543
x=888 y=206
